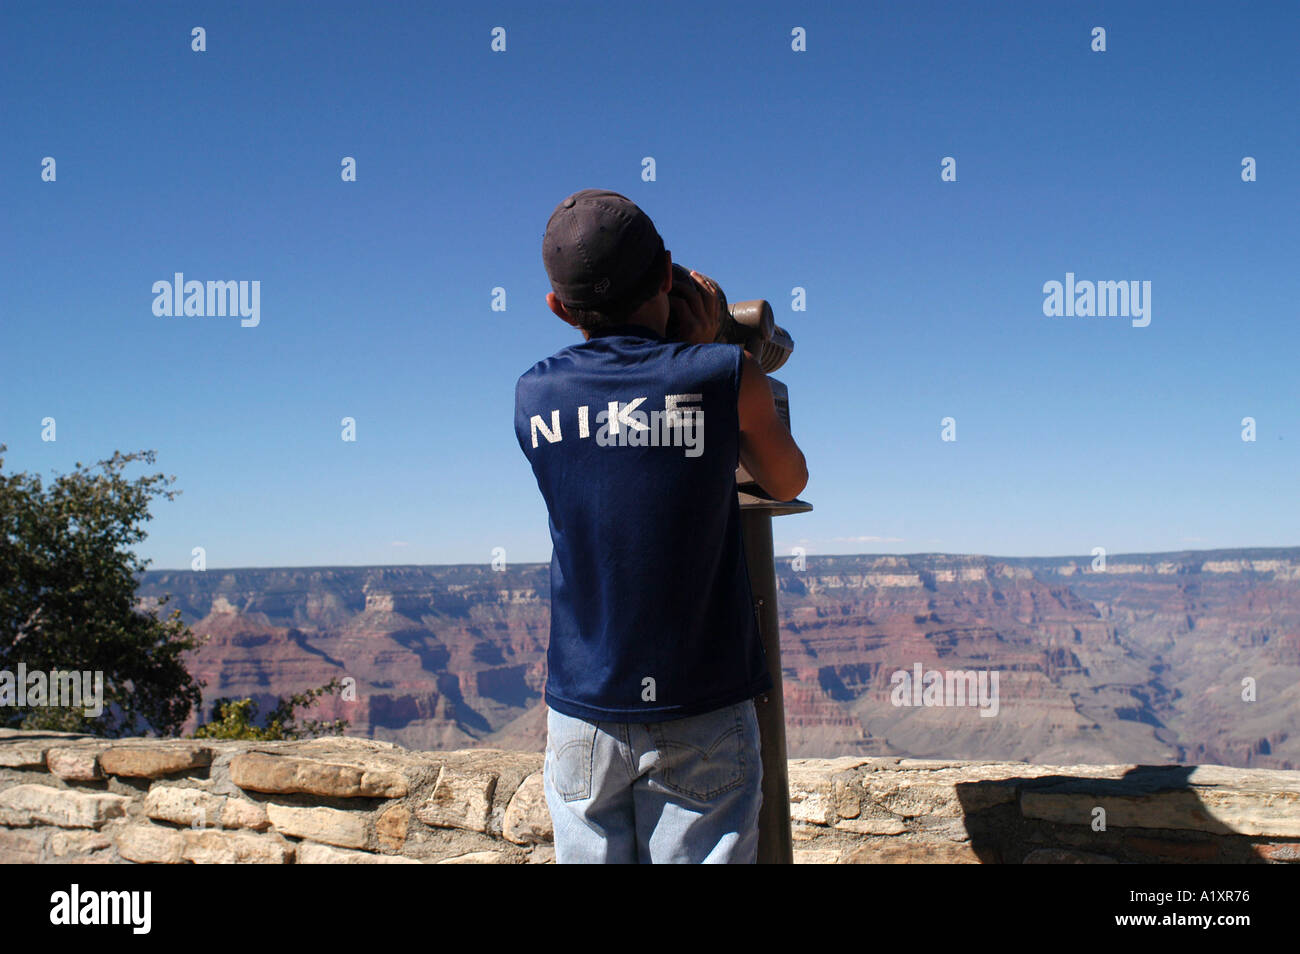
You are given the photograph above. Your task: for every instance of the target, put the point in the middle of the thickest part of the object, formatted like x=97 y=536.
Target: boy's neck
x=624 y=326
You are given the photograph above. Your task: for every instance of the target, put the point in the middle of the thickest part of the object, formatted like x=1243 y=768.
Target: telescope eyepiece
x=752 y=325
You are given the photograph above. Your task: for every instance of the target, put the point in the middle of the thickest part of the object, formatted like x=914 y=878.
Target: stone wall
x=69 y=799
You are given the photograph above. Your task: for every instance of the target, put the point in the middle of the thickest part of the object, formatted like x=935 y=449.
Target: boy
x=652 y=750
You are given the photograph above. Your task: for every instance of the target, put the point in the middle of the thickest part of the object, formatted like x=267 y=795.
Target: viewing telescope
x=752 y=324
x=747 y=323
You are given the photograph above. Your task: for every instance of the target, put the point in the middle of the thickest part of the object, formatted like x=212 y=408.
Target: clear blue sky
x=775 y=169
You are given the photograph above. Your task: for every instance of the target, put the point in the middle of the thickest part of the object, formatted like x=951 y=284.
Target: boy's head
x=606 y=262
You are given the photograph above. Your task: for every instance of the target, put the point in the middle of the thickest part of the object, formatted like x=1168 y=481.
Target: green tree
x=68 y=603
x=237 y=718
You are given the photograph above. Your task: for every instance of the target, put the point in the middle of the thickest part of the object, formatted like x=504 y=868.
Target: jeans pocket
x=705 y=756
x=571 y=746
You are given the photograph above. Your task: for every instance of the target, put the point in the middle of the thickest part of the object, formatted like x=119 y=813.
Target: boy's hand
x=694 y=308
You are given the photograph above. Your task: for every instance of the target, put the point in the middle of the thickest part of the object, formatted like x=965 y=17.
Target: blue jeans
x=683 y=791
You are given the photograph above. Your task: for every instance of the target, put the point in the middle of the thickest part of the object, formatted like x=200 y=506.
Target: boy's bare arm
x=767 y=449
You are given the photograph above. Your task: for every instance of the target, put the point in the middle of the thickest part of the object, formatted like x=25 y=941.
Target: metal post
x=756 y=513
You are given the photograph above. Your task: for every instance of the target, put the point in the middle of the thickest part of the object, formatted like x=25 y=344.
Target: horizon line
x=810 y=556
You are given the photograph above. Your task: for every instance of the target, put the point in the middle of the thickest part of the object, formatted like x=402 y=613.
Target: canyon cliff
x=1150 y=660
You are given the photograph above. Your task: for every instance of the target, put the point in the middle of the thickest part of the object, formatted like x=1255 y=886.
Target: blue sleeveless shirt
x=634 y=442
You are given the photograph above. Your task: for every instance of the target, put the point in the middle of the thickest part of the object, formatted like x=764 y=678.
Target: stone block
x=899 y=852
x=391 y=827
x=184 y=806
x=211 y=847
x=313 y=854
x=66 y=808
x=527 y=819
x=330 y=826
x=64 y=843
x=1209 y=799
x=460 y=799
x=21 y=847
x=287 y=774
x=155 y=760
x=479 y=858
x=151 y=844
x=74 y=764
x=1064 y=856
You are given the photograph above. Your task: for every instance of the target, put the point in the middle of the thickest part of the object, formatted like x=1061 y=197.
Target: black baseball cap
x=598 y=245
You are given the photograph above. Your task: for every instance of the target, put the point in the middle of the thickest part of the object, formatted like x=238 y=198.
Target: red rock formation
x=1142 y=663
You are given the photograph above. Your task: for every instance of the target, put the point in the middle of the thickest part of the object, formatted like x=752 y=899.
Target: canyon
x=1190 y=657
